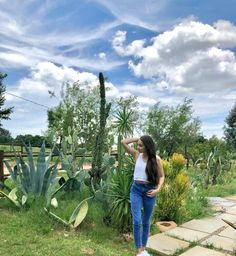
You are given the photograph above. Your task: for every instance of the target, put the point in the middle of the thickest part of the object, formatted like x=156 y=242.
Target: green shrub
x=171 y=200
x=119 y=196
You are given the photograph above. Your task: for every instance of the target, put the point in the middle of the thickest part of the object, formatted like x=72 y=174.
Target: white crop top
x=139 y=170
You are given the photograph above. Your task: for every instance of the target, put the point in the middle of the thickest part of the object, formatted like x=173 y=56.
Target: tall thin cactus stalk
x=96 y=171
x=120 y=153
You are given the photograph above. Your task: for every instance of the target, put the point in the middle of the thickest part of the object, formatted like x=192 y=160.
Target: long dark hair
x=151 y=168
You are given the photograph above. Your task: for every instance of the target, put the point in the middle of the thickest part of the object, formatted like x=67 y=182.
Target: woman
x=148 y=180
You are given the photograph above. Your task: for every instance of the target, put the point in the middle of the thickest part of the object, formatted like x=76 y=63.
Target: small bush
x=171 y=200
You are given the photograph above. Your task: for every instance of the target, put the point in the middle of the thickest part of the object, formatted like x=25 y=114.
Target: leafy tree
x=4 y=112
x=173 y=128
x=5 y=136
x=230 y=127
x=203 y=147
x=79 y=109
x=59 y=119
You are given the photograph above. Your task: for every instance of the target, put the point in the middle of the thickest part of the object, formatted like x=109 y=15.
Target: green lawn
x=32 y=232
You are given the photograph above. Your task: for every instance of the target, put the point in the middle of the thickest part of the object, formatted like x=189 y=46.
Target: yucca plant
x=119 y=196
x=33 y=178
x=124 y=123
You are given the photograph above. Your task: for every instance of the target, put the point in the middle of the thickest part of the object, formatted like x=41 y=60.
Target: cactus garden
x=51 y=205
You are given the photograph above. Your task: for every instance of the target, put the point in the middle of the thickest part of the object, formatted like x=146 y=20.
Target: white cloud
x=15 y=60
x=131 y=49
x=102 y=55
x=146 y=101
x=229 y=96
x=141 y=13
x=28 y=56
x=118 y=42
x=47 y=76
x=209 y=129
x=29 y=35
x=32 y=118
x=49 y=73
x=191 y=57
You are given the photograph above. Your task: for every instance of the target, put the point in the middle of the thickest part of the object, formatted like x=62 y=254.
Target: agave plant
x=33 y=178
x=76 y=217
x=12 y=197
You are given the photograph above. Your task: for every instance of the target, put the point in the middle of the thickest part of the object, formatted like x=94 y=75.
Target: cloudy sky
x=157 y=50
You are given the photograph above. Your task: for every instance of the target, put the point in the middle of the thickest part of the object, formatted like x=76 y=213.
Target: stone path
x=202 y=237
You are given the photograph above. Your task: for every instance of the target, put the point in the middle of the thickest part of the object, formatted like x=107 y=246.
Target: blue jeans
x=142 y=208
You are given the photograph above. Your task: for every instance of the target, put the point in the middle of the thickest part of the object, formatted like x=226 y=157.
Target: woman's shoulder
x=158 y=158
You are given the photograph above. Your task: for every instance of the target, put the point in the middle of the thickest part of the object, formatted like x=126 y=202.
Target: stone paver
x=220 y=242
x=220 y=201
x=221 y=209
x=228 y=232
x=226 y=216
x=186 y=234
x=208 y=231
x=201 y=251
x=208 y=225
x=231 y=198
x=165 y=245
x=231 y=210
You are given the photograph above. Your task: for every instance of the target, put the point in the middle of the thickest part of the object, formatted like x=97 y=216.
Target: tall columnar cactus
x=97 y=170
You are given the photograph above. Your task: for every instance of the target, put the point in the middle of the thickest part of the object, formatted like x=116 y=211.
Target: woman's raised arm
x=128 y=149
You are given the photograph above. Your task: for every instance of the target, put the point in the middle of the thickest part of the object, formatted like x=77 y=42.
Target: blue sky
x=157 y=50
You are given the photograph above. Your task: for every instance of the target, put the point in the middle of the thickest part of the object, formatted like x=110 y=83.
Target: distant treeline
x=34 y=140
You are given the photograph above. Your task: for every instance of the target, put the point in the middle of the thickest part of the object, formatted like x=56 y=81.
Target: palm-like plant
x=124 y=123
x=119 y=196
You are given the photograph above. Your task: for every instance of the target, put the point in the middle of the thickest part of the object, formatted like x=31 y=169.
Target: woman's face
x=141 y=148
